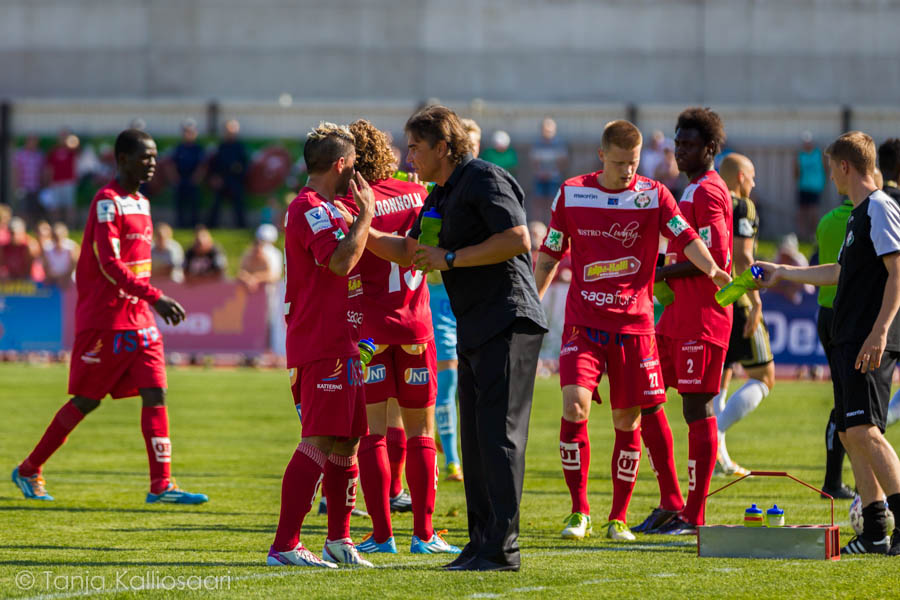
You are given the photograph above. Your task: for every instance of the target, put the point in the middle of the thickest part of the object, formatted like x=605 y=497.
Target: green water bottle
x=753 y=517
x=431 y=227
x=404 y=176
x=366 y=350
x=664 y=294
x=739 y=286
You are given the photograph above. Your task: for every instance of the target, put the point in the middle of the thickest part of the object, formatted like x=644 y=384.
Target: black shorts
x=754 y=351
x=860 y=398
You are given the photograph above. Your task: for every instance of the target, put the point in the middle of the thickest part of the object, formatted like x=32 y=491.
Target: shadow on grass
x=55 y=547
x=267 y=529
x=137 y=565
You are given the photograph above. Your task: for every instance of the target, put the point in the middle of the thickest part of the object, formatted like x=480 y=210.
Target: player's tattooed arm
x=544 y=271
x=350 y=249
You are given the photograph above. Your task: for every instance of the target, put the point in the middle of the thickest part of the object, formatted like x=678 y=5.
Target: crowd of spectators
x=47 y=256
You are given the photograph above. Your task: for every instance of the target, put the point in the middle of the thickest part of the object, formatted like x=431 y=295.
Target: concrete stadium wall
x=747 y=52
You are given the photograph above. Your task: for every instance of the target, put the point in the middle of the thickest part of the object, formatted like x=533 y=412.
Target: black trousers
x=496 y=385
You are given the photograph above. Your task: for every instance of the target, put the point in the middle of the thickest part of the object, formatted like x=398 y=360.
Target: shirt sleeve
x=672 y=223
x=556 y=242
x=498 y=202
x=106 y=249
x=712 y=221
x=321 y=228
x=885 y=220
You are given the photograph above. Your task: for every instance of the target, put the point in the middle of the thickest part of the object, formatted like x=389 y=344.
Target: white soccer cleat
x=578 y=526
x=343 y=552
x=618 y=531
x=298 y=557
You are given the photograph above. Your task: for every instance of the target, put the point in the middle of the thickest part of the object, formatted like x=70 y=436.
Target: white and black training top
x=873 y=231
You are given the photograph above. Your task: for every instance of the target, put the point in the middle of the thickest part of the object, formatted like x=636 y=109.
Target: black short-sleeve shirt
x=873 y=232
x=479 y=200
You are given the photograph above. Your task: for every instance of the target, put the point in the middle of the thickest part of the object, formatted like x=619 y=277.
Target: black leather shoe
x=483 y=564
x=840 y=493
x=467 y=554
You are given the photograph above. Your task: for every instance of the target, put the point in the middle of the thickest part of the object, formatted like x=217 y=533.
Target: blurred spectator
x=549 y=160
x=537 y=230
x=187 y=158
x=398 y=156
x=43 y=232
x=19 y=254
x=60 y=254
x=28 y=170
x=789 y=254
x=5 y=217
x=474 y=133
x=229 y=170
x=667 y=173
x=501 y=153
x=59 y=199
x=809 y=170
x=652 y=154
x=205 y=260
x=261 y=263
x=167 y=255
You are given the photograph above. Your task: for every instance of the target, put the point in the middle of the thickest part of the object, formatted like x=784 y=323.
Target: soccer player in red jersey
x=323 y=315
x=397 y=316
x=118 y=349
x=694 y=330
x=612 y=219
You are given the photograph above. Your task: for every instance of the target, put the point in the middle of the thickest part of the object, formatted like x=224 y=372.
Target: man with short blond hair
x=865 y=335
x=612 y=220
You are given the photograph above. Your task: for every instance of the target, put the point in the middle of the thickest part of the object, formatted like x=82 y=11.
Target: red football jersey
x=113 y=270
x=321 y=309
x=695 y=314
x=395 y=298
x=614 y=239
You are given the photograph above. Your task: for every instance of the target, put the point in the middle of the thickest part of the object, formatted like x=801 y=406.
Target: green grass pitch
x=233 y=432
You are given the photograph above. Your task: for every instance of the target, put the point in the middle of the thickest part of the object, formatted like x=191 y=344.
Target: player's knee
x=697 y=408
x=151 y=397
x=85 y=405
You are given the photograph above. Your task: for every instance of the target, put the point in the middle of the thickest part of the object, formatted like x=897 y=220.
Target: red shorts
x=116 y=362
x=691 y=366
x=630 y=360
x=406 y=372
x=329 y=397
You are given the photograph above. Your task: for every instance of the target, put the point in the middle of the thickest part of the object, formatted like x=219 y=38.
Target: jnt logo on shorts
x=627 y=465
x=376 y=373
x=162 y=449
x=604 y=269
x=417 y=376
x=692 y=475
x=570 y=454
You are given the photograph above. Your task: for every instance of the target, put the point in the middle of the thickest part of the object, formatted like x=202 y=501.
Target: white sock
x=742 y=403
x=723 y=456
x=893 y=413
x=718 y=401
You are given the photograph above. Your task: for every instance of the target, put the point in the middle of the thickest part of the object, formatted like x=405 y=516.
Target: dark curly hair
x=435 y=123
x=706 y=122
x=889 y=158
x=374 y=158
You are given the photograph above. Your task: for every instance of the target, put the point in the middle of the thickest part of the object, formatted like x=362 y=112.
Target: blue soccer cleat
x=174 y=495
x=32 y=487
x=370 y=546
x=436 y=545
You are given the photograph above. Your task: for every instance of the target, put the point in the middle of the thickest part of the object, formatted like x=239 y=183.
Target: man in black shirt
x=485 y=259
x=865 y=337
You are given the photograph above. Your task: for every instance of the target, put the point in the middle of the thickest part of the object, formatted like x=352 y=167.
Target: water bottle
x=739 y=286
x=775 y=516
x=366 y=350
x=431 y=227
x=753 y=517
x=664 y=294
x=404 y=176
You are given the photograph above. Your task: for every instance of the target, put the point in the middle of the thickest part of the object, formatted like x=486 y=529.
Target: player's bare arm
x=816 y=275
x=395 y=248
x=869 y=356
x=544 y=270
x=350 y=249
x=700 y=262
x=498 y=248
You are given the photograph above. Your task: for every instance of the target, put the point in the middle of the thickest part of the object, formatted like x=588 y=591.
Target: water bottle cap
x=432 y=213
x=756 y=271
x=775 y=510
x=368 y=342
x=754 y=509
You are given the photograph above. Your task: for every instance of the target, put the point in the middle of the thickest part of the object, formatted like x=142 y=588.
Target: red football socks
x=341 y=477
x=375 y=477
x=575 y=452
x=702 y=446
x=626 y=459
x=299 y=487
x=63 y=423
x=421 y=475
x=396 y=447
x=155 y=427
x=657 y=436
